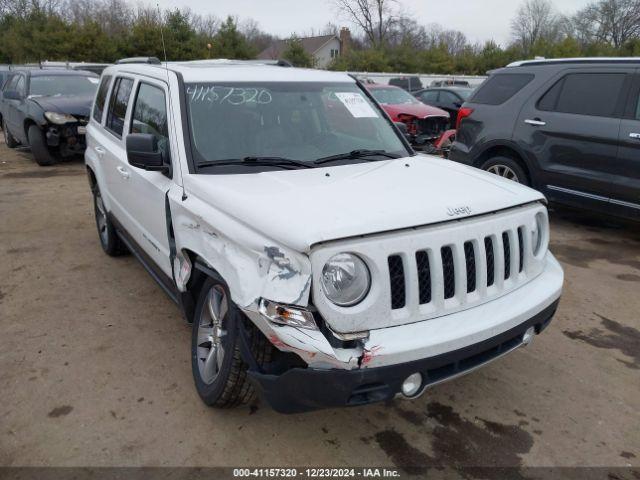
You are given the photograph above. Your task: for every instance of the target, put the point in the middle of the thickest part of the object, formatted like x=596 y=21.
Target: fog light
x=412 y=385
x=527 y=337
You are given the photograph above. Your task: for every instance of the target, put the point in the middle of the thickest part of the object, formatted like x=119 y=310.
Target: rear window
x=501 y=87
x=118 y=105
x=98 y=108
x=593 y=94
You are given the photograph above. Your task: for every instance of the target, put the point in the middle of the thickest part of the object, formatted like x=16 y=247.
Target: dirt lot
x=94 y=362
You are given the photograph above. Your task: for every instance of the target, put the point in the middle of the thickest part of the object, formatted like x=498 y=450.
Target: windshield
x=300 y=121
x=392 y=96
x=63 y=85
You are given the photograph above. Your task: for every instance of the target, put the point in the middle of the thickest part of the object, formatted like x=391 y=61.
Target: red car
x=425 y=124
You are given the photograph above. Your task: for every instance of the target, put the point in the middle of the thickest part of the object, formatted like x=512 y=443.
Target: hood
x=419 y=110
x=299 y=208
x=76 y=105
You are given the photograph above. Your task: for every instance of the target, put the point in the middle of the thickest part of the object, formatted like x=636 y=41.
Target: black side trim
x=186 y=127
x=147 y=262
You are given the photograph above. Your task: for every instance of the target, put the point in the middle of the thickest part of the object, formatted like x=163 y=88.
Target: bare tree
x=374 y=17
x=609 y=21
x=535 y=20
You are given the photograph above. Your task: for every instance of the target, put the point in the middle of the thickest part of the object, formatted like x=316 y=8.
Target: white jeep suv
x=321 y=261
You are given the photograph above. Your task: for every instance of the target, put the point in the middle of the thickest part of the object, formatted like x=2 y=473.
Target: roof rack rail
x=579 y=60
x=149 y=60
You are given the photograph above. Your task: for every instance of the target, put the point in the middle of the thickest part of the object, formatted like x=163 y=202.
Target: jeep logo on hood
x=456 y=211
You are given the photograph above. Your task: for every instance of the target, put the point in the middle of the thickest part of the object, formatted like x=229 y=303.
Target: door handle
x=124 y=173
x=100 y=151
x=535 y=122
x=635 y=135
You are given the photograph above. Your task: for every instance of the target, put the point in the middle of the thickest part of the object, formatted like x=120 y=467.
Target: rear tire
x=219 y=372
x=508 y=168
x=109 y=239
x=9 y=139
x=39 y=147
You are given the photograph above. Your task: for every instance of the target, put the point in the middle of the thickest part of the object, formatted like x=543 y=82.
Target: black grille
x=470 y=258
x=488 y=248
x=507 y=254
x=448 y=272
x=520 y=249
x=424 y=276
x=433 y=126
x=396 y=278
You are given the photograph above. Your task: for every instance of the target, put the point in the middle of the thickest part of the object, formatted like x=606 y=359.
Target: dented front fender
x=253 y=265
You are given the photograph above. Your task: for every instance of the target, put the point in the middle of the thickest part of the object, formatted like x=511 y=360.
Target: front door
x=144 y=198
x=625 y=176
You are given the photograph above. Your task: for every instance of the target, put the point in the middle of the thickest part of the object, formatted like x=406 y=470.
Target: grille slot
x=424 y=276
x=488 y=249
x=506 y=246
x=396 y=279
x=448 y=272
x=470 y=258
x=521 y=248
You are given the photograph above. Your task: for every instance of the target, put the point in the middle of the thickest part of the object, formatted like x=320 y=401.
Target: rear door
x=625 y=174
x=114 y=155
x=571 y=126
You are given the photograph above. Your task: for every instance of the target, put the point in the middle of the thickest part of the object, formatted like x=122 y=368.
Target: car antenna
x=166 y=68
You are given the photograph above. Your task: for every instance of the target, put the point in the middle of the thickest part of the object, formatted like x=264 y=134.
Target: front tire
x=9 y=139
x=109 y=240
x=506 y=167
x=219 y=372
x=39 y=147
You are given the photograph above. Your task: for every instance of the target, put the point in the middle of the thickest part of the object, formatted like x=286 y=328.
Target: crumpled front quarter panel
x=253 y=265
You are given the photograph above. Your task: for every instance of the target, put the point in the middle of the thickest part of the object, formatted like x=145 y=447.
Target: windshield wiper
x=353 y=154
x=258 y=162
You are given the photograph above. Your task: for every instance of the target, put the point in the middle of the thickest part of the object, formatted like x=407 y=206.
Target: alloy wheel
x=504 y=171
x=210 y=349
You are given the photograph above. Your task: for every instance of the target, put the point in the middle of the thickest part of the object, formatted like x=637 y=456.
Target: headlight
x=538 y=233
x=60 y=118
x=345 y=279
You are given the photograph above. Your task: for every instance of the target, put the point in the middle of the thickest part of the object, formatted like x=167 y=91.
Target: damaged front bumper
x=305 y=389
x=69 y=138
x=374 y=369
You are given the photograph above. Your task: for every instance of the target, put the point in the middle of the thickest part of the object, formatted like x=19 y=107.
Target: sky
x=480 y=20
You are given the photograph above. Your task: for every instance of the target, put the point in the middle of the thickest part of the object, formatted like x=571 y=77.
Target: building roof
x=310 y=44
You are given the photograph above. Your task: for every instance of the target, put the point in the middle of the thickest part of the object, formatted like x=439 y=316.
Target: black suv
x=569 y=128
x=47 y=110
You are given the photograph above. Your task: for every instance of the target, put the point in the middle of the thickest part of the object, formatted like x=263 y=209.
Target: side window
x=118 y=105
x=585 y=94
x=430 y=97
x=638 y=110
x=499 y=88
x=150 y=115
x=11 y=83
x=98 y=107
x=20 y=85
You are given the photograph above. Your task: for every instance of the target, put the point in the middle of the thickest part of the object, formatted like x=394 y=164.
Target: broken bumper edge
x=300 y=390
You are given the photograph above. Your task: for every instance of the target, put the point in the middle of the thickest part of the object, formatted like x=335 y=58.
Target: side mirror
x=143 y=152
x=12 y=95
x=403 y=130
x=457 y=104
